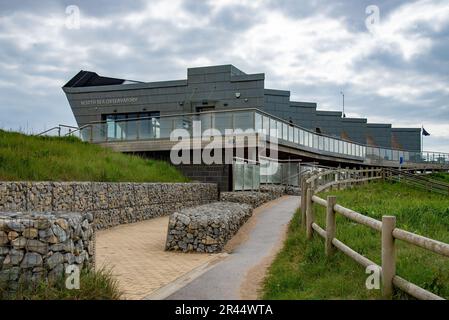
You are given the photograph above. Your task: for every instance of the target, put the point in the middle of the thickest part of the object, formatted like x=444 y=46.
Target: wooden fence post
x=388 y=256
x=303 y=202
x=336 y=176
x=330 y=224
x=309 y=213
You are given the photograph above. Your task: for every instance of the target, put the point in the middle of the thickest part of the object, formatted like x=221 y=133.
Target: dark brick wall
x=221 y=174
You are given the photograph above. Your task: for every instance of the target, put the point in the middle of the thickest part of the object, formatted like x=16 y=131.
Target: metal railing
x=69 y=131
x=161 y=127
x=337 y=178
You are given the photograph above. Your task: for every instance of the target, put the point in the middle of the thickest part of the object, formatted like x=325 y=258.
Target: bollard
x=330 y=225
x=388 y=256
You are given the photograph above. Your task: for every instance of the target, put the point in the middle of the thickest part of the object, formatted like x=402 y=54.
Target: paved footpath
x=237 y=276
x=135 y=253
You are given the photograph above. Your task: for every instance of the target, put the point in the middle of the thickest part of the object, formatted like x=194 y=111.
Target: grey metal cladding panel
x=83 y=120
x=299 y=104
x=274 y=92
x=210 y=69
x=328 y=113
x=273 y=98
x=406 y=130
x=248 y=77
x=197 y=78
x=236 y=71
x=358 y=120
x=247 y=85
x=378 y=125
x=253 y=93
x=215 y=77
x=408 y=140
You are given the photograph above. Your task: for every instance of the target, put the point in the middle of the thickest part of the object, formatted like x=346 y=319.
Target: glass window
x=243 y=120
x=258 y=122
x=273 y=128
x=110 y=124
x=131 y=126
x=301 y=137
x=223 y=121
x=315 y=142
x=266 y=125
x=296 y=135
x=279 y=127
x=290 y=134
x=166 y=124
x=284 y=131
x=206 y=121
x=120 y=127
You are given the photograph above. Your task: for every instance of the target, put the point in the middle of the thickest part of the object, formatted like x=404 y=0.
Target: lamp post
x=343 y=96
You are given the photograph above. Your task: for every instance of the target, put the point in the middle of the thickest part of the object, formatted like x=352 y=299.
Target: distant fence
x=387 y=227
x=417 y=181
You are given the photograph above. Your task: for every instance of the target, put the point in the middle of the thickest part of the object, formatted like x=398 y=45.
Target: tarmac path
x=239 y=274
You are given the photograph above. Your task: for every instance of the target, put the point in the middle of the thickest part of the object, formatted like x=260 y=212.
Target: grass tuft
x=94 y=285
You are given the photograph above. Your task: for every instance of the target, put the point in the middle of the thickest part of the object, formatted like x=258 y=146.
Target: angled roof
x=91 y=79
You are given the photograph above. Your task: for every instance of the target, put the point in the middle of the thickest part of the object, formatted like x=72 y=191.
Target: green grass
x=94 y=285
x=302 y=271
x=24 y=157
x=441 y=176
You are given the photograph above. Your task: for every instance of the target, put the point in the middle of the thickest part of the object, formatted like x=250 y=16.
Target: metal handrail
x=51 y=129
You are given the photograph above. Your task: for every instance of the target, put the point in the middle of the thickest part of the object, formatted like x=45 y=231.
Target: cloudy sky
x=392 y=69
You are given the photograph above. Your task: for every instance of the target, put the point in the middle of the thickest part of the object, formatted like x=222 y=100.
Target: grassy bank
x=302 y=271
x=94 y=285
x=34 y=158
x=440 y=176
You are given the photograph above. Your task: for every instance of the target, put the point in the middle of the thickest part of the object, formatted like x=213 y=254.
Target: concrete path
x=238 y=276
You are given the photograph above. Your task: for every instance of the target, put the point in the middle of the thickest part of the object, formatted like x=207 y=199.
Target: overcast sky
x=396 y=70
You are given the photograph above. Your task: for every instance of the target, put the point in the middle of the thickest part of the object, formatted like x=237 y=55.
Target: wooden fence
x=341 y=178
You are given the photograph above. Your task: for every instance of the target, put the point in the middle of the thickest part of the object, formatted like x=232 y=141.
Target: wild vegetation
x=302 y=271
x=94 y=285
x=24 y=157
x=441 y=176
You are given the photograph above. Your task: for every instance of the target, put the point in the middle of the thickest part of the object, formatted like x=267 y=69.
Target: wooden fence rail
x=328 y=179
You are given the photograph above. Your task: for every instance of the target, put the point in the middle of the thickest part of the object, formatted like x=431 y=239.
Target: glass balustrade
x=162 y=126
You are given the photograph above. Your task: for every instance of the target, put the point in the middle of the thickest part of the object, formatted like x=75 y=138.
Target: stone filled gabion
x=112 y=203
x=276 y=190
x=39 y=246
x=252 y=198
x=206 y=228
x=257 y=198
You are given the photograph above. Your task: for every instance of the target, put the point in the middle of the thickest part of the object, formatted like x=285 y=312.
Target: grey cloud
x=158 y=49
